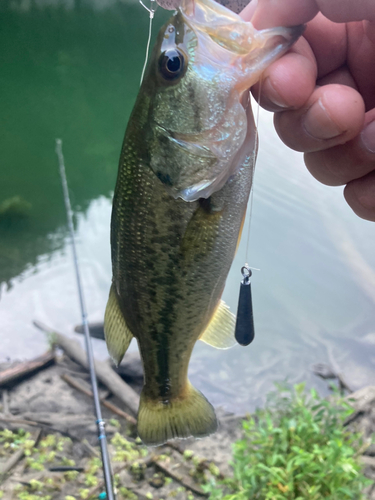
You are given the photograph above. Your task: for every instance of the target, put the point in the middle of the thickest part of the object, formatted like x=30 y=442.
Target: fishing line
x=90 y=357
x=244 y=329
x=151 y=11
x=256 y=144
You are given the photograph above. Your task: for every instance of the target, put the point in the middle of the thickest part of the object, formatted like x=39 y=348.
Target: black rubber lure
x=244 y=331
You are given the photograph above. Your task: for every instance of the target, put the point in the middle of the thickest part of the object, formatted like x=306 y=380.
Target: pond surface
x=73 y=72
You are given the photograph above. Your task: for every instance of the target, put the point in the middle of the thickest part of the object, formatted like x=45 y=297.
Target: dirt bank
x=59 y=457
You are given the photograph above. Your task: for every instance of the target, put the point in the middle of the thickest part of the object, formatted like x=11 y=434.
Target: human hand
x=323 y=91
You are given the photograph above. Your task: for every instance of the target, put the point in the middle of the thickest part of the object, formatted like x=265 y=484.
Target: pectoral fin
x=117 y=334
x=202 y=230
x=220 y=331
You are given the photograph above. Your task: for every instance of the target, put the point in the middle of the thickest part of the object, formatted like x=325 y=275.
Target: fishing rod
x=90 y=357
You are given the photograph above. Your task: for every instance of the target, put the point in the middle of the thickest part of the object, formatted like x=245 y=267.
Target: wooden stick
x=19 y=422
x=74 y=383
x=184 y=480
x=5 y=398
x=103 y=393
x=104 y=372
x=18 y=455
x=90 y=448
x=119 y=412
x=26 y=368
x=96 y=330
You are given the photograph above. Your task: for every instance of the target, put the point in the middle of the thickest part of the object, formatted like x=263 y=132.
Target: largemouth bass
x=183 y=184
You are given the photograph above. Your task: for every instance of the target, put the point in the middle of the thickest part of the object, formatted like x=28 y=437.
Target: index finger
x=270 y=13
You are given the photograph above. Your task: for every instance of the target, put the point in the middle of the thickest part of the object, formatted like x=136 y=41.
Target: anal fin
x=117 y=334
x=220 y=330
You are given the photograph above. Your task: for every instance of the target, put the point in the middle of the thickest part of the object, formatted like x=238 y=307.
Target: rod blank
x=90 y=357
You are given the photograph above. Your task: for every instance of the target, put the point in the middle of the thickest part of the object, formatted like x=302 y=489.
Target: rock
x=96 y=330
x=363 y=398
x=131 y=367
x=323 y=371
x=370 y=450
x=363 y=420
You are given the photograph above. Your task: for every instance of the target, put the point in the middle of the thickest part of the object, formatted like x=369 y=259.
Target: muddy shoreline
x=45 y=402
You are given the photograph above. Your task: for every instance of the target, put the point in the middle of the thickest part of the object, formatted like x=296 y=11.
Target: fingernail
x=272 y=94
x=318 y=123
x=368 y=137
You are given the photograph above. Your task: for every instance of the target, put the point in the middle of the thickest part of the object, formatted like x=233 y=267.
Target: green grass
x=295 y=449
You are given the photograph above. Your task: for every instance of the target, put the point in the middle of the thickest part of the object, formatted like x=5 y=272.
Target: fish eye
x=171 y=64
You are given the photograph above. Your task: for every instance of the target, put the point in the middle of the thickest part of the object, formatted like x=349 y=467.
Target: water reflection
x=48 y=291
x=74 y=74
x=70 y=73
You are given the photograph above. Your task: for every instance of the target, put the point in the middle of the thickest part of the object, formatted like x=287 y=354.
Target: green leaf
x=298 y=440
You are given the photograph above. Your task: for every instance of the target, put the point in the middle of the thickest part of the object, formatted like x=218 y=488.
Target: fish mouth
x=274 y=42
x=247 y=51
x=233 y=54
x=219 y=23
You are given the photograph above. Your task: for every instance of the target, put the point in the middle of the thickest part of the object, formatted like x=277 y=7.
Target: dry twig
x=74 y=383
x=186 y=481
x=104 y=372
x=5 y=398
x=26 y=368
x=20 y=422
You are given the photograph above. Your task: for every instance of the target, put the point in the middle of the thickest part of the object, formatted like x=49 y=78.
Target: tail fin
x=188 y=415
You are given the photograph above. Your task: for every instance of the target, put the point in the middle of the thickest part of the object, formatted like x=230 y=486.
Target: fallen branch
x=19 y=422
x=5 y=397
x=184 y=480
x=104 y=372
x=74 y=383
x=18 y=455
x=96 y=330
x=92 y=451
x=27 y=368
x=84 y=384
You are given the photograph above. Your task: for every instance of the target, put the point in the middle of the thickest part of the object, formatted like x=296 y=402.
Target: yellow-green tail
x=187 y=415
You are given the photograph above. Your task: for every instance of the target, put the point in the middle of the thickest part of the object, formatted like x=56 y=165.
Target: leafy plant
x=295 y=449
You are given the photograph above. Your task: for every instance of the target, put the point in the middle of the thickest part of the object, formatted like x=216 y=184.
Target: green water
x=72 y=74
